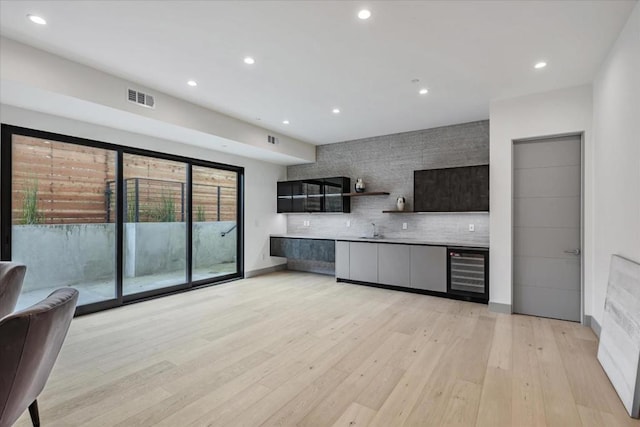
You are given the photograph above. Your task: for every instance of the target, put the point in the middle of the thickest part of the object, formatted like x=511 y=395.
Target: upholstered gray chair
x=30 y=341
x=11 y=278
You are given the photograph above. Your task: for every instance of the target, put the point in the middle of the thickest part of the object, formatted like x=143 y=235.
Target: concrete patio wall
x=157 y=247
x=64 y=255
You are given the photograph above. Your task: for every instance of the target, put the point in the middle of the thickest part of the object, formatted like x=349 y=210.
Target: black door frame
x=6 y=169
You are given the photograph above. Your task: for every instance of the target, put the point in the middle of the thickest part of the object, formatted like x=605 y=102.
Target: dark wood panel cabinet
x=461 y=189
x=314 y=195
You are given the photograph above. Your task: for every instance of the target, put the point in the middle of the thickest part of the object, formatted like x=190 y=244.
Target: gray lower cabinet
x=429 y=268
x=409 y=266
x=394 y=262
x=342 y=260
x=363 y=262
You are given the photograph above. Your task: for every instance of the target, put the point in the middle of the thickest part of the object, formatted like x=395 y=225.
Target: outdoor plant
x=30 y=212
x=200 y=213
x=165 y=210
x=131 y=207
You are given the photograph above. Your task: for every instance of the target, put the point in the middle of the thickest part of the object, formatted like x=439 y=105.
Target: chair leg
x=35 y=416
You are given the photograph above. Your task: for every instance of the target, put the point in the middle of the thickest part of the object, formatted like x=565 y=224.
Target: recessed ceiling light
x=192 y=83
x=423 y=91
x=336 y=111
x=249 y=60
x=540 y=64
x=364 y=14
x=37 y=19
x=285 y=122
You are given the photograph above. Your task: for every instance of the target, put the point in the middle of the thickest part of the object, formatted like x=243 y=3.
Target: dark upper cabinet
x=462 y=189
x=297 y=196
x=470 y=192
x=431 y=191
x=313 y=201
x=314 y=195
x=334 y=201
x=285 y=200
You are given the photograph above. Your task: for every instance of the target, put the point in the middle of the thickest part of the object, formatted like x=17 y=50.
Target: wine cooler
x=468 y=276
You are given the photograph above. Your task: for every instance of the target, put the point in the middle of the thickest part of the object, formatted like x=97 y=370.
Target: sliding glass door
x=155 y=232
x=215 y=222
x=60 y=222
x=117 y=223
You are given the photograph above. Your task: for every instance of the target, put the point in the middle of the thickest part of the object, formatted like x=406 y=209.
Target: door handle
x=573 y=252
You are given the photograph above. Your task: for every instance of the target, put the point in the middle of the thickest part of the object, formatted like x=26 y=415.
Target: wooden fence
x=60 y=183
x=67 y=182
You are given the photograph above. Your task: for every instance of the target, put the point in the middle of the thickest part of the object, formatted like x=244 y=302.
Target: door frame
x=6 y=217
x=579 y=134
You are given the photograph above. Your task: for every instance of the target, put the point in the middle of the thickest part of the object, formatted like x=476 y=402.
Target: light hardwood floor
x=300 y=349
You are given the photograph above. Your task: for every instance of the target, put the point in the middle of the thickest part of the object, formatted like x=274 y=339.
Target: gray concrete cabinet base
x=303 y=249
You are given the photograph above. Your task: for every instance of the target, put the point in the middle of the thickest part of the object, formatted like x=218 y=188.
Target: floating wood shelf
x=399 y=212
x=366 y=193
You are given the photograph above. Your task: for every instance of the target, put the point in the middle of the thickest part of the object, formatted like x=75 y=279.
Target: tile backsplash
x=386 y=163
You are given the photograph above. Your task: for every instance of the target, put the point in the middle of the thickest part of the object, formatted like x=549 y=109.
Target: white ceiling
x=312 y=56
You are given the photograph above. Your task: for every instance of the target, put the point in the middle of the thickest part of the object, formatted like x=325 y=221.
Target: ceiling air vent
x=272 y=139
x=141 y=98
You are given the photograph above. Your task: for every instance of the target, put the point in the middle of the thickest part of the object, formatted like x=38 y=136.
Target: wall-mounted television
x=461 y=189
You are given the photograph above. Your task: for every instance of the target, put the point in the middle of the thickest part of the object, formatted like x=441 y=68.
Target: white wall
x=611 y=188
x=544 y=114
x=260 y=177
x=41 y=81
x=616 y=154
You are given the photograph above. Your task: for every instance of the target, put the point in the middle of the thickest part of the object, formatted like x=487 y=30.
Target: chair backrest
x=30 y=341
x=11 y=278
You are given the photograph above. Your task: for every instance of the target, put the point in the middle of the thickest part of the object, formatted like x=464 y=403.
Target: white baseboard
x=593 y=324
x=266 y=270
x=498 y=307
